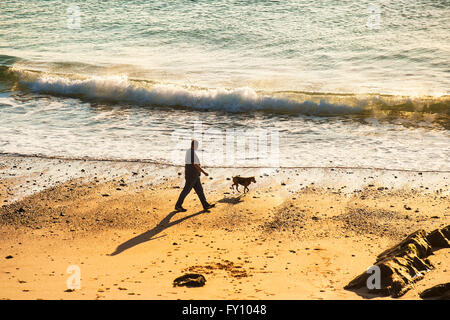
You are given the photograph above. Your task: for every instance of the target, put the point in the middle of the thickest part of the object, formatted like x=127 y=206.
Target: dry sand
x=298 y=233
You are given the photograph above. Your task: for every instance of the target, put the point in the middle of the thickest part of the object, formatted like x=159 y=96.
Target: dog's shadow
x=232 y=200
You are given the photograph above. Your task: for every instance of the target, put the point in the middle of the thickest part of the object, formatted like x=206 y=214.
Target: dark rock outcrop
x=440 y=292
x=446 y=231
x=404 y=264
x=437 y=239
x=190 y=280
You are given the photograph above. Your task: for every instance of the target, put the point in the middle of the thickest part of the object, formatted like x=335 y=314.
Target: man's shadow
x=150 y=234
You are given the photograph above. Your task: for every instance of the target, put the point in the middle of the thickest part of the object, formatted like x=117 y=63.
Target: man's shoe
x=180 y=209
x=209 y=206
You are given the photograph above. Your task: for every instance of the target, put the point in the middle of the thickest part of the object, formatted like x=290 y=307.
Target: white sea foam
x=121 y=89
x=49 y=125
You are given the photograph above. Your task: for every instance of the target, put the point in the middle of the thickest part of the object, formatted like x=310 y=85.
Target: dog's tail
x=232 y=186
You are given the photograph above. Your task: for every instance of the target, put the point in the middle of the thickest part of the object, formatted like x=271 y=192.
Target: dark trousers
x=192 y=182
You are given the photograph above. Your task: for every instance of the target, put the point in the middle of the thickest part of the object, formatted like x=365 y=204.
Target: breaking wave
x=121 y=89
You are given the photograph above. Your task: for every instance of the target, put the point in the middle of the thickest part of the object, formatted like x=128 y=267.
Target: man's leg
x=199 y=191
x=189 y=184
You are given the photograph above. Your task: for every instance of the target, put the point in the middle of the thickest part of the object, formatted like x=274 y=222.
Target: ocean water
x=261 y=83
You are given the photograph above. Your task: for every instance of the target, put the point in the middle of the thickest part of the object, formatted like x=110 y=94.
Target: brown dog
x=242 y=181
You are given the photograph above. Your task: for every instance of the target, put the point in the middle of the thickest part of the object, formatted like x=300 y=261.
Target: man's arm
x=199 y=169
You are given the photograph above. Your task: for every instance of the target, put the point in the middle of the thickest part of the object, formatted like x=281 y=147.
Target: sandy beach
x=338 y=112
x=298 y=233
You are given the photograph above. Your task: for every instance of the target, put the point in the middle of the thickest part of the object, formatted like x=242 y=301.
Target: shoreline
x=161 y=163
x=298 y=233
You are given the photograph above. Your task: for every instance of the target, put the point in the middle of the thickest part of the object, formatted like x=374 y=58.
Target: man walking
x=192 y=171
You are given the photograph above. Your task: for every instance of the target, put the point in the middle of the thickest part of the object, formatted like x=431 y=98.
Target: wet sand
x=298 y=233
